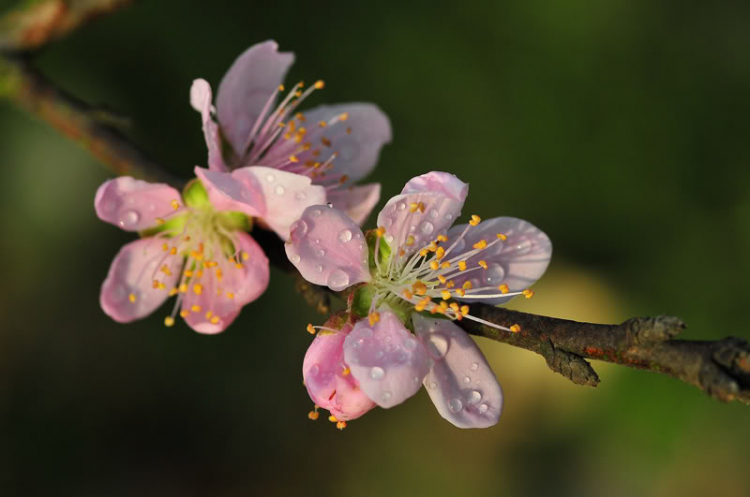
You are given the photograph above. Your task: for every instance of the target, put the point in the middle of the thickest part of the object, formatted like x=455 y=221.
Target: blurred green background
x=619 y=127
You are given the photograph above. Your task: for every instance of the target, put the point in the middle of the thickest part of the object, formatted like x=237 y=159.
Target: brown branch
x=37 y=22
x=720 y=368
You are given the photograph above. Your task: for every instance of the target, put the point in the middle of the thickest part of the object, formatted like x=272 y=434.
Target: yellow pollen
x=462 y=265
x=440 y=253
x=454 y=306
x=175 y=204
x=211 y=263
x=196 y=308
x=408 y=295
x=198 y=289
x=346 y=371
x=230 y=295
x=502 y=237
x=413 y=207
x=332 y=418
x=503 y=288
x=131 y=297
x=464 y=309
x=424 y=252
x=475 y=220
x=300 y=117
x=319 y=84
x=238 y=265
x=168 y=321
x=468 y=285
x=373 y=318
x=293 y=158
x=446 y=294
x=183 y=288
x=481 y=244
x=310 y=329
x=344 y=116
x=165 y=247
x=322 y=124
x=419 y=288
x=165 y=269
x=442 y=279
x=184 y=313
x=155 y=284
x=245 y=256
x=401 y=252
x=343 y=179
x=528 y=293
x=209 y=314
x=410 y=240
x=380 y=231
x=313 y=415
x=432 y=247
x=281 y=87
x=173 y=251
x=341 y=425
x=215 y=320
x=443 y=304
x=173 y=291
x=434 y=265
x=199 y=273
x=461 y=292
x=188 y=273
x=483 y=264
x=445 y=265
x=515 y=328
x=160 y=221
x=325 y=141
x=297 y=94
x=348 y=131
x=196 y=255
x=442 y=238
x=450 y=284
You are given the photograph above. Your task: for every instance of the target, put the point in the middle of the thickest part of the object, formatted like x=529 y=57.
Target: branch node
x=571 y=366
x=652 y=330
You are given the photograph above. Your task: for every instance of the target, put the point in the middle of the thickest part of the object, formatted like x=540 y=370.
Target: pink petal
x=356 y=201
x=359 y=149
x=328 y=386
x=245 y=284
x=133 y=272
x=286 y=195
x=246 y=87
x=517 y=262
x=328 y=248
x=442 y=197
x=387 y=360
x=461 y=384
x=132 y=204
x=233 y=191
x=200 y=99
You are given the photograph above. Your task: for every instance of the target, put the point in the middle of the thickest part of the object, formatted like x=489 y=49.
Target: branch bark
x=721 y=368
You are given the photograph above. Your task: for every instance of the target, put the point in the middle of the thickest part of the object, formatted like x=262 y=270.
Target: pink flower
x=415 y=262
x=195 y=246
x=333 y=145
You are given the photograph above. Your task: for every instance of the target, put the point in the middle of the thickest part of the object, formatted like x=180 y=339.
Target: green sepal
x=384 y=252
x=173 y=226
x=362 y=300
x=195 y=195
x=234 y=221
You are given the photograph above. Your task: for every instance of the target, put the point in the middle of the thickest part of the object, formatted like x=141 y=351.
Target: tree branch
x=721 y=368
x=37 y=22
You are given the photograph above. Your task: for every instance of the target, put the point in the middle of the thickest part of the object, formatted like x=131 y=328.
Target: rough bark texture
x=720 y=368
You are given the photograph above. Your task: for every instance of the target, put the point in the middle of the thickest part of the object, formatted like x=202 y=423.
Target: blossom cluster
x=409 y=280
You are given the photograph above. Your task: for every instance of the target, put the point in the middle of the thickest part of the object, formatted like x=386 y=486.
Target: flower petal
x=132 y=204
x=427 y=207
x=517 y=262
x=128 y=292
x=286 y=195
x=355 y=131
x=246 y=88
x=200 y=99
x=461 y=384
x=233 y=191
x=386 y=359
x=328 y=248
x=356 y=201
x=220 y=300
x=323 y=371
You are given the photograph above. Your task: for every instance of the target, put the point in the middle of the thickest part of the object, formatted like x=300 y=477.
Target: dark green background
x=618 y=127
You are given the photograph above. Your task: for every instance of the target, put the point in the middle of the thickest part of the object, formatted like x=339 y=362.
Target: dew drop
x=358 y=236
x=300 y=228
x=366 y=333
x=318 y=268
x=415 y=379
x=129 y=219
x=109 y=206
x=433 y=385
x=270 y=178
x=523 y=246
x=474 y=397
x=412 y=229
x=388 y=222
x=379 y=354
x=338 y=280
x=345 y=236
x=401 y=206
x=151 y=207
x=386 y=396
x=388 y=238
x=314 y=370
x=300 y=196
x=320 y=253
x=377 y=373
x=483 y=408
x=455 y=405
x=467 y=380
x=433 y=213
x=295 y=259
x=410 y=344
x=494 y=274
x=449 y=217
x=280 y=190
x=474 y=366
x=426 y=227
x=437 y=345
x=315 y=213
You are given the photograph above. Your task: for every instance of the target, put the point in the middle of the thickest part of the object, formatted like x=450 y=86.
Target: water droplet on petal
x=388 y=222
x=474 y=397
x=379 y=354
x=401 y=206
x=358 y=236
x=300 y=196
x=315 y=213
x=483 y=408
x=270 y=178
x=410 y=344
x=474 y=366
x=388 y=238
x=523 y=246
x=433 y=213
x=437 y=345
x=366 y=333
x=415 y=379
x=321 y=253
x=129 y=219
x=467 y=380
x=412 y=229
x=345 y=236
x=109 y=206
x=386 y=396
x=449 y=217
x=426 y=227
x=455 y=405
x=494 y=274
x=295 y=259
x=280 y=190
x=314 y=370
x=377 y=373
x=338 y=280
x=299 y=228
x=433 y=385
x=318 y=268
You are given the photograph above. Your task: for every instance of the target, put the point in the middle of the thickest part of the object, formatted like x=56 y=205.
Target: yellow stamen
x=462 y=265
x=445 y=265
x=332 y=418
x=408 y=295
x=183 y=288
x=344 y=116
x=442 y=279
x=434 y=265
x=442 y=238
x=215 y=320
x=310 y=329
x=528 y=293
x=132 y=298
x=313 y=415
x=468 y=285
x=380 y=231
x=293 y=158
x=165 y=247
x=175 y=204
x=341 y=425
x=503 y=288
x=502 y=236
x=440 y=253
x=475 y=220
x=160 y=220
x=346 y=371
x=464 y=309
x=446 y=294
x=461 y=292
x=410 y=240
x=173 y=251
x=168 y=321
x=195 y=308
x=481 y=244
x=173 y=291
x=198 y=289
x=483 y=264
x=319 y=84
x=515 y=328
x=184 y=313
x=230 y=295
x=373 y=318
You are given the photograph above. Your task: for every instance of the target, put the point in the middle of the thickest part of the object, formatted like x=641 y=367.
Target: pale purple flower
x=420 y=264
x=334 y=145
